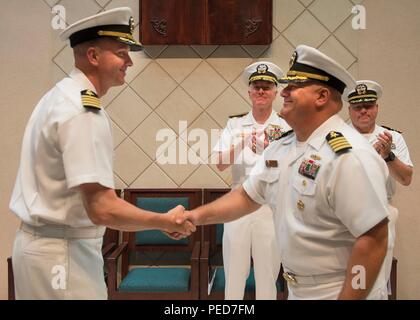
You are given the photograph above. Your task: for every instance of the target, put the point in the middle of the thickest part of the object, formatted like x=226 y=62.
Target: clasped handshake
x=181 y=223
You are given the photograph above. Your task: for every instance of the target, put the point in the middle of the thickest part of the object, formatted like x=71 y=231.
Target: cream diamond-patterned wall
x=199 y=84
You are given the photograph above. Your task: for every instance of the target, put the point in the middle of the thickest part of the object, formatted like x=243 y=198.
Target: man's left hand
x=384 y=144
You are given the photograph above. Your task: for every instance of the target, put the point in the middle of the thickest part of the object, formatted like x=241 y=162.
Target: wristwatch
x=391 y=157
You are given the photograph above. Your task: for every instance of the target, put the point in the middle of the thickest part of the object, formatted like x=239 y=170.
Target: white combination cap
x=365 y=91
x=262 y=70
x=117 y=23
x=308 y=63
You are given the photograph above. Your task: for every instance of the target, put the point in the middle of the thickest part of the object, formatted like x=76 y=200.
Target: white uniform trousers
x=329 y=291
x=252 y=235
x=53 y=268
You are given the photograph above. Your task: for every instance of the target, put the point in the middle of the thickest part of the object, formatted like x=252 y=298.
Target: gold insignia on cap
x=361 y=89
x=338 y=142
x=262 y=68
x=300 y=205
x=90 y=100
x=121 y=35
x=131 y=22
x=293 y=59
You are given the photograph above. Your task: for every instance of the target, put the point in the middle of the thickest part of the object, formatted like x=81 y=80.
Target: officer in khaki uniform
x=252 y=235
x=326 y=187
x=389 y=143
x=64 y=188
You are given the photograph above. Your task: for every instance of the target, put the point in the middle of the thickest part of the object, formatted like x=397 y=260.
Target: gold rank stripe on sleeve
x=90 y=99
x=338 y=142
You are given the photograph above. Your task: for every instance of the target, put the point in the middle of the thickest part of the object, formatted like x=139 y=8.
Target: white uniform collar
x=249 y=119
x=376 y=130
x=318 y=137
x=78 y=76
x=371 y=137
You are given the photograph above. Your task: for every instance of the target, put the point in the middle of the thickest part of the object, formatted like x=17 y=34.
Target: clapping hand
x=384 y=144
x=259 y=141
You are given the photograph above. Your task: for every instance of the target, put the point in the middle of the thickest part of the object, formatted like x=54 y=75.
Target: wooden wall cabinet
x=188 y=22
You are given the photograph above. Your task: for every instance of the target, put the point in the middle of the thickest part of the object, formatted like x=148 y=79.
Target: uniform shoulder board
x=90 y=100
x=338 y=142
x=238 y=115
x=390 y=129
x=287 y=133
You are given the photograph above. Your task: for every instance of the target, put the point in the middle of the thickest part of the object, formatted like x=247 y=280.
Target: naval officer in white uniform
x=64 y=191
x=326 y=187
x=242 y=142
x=389 y=143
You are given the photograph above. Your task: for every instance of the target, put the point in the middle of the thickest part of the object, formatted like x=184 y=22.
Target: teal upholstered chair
x=154 y=266
x=212 y=276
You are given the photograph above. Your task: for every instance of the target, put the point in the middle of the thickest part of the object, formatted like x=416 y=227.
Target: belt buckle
x=289 y=278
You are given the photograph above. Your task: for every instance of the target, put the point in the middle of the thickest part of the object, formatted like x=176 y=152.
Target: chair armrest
x=111 y=264
x=112 y=258
x=107 y=249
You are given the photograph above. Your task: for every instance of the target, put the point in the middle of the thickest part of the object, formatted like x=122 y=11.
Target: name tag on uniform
x=271 y=163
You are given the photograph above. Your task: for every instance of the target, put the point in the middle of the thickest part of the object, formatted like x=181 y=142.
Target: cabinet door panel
x=186 y=22
x=240 y=22
x=172 y=22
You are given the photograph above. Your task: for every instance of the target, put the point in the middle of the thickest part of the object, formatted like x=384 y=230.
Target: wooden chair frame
x=128 y=246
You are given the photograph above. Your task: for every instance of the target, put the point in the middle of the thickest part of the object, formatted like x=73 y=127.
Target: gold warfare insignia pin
x=262 y=68
x=361 y=89
x=338 y=142
x=315 y=157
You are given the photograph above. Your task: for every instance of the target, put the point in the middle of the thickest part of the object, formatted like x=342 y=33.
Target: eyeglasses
x=359 y=107
x=257 y=88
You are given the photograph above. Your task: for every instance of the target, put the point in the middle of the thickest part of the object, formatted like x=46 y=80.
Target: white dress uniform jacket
x=400 y=149
x=252 y=235
x=64 y=146
x=322 y=202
